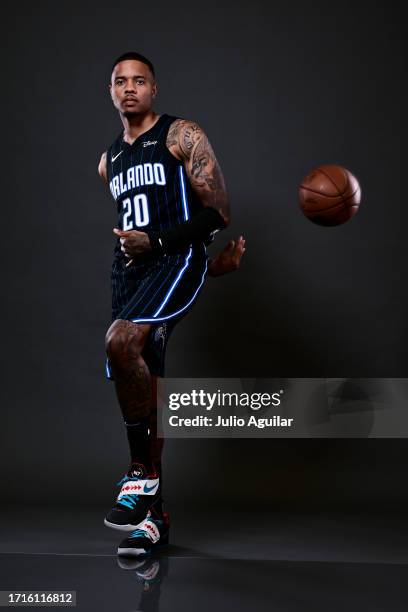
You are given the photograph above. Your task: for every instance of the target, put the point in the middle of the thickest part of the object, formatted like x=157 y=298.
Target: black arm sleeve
x=198 y=228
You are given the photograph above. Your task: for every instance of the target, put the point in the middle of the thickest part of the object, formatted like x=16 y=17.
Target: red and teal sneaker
x=139 y=492
x=150 y=535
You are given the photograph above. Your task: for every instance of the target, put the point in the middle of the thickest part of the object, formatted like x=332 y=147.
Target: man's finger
x=240 y=241
x=119 y=232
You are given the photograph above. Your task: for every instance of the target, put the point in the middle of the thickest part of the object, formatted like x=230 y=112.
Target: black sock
x=139 y=442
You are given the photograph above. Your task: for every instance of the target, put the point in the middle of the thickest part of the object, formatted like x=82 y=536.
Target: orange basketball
x=329 y=195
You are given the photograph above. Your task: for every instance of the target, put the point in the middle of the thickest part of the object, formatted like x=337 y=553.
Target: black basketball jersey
x=149 y=184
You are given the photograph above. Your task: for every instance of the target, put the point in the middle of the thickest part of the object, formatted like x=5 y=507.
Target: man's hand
x=228 y=259
x=133 y=242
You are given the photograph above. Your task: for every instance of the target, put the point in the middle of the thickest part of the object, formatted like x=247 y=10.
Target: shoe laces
x=126 y=478
x=131 y=499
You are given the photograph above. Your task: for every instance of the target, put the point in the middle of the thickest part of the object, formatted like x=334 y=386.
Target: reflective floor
x=280 y=562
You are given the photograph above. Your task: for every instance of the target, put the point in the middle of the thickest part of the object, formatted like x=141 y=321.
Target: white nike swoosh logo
x=116 y=156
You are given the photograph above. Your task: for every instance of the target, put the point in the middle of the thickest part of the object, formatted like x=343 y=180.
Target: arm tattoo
x=190 y=143
x=173 y=134
x=191 y=135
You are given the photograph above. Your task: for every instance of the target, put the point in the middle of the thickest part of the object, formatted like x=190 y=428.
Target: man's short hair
x=132 y=55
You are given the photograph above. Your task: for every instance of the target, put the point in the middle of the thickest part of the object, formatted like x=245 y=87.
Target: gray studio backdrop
x=280 y=87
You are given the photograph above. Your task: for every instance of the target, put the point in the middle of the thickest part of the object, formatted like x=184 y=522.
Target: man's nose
x=130 y=88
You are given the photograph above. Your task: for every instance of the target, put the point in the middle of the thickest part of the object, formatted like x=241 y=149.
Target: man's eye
x=119 y=82
x=140 y=82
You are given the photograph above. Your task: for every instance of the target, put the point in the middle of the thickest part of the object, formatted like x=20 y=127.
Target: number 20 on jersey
x=136 y=209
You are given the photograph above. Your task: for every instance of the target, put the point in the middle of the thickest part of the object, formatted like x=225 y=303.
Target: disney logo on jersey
x=148 y=143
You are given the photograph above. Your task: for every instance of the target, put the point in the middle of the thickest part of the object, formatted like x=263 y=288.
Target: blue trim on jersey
x=184 y=268
x=174 y=314
x=107 y=369
x=183 y=192
x=175 y=283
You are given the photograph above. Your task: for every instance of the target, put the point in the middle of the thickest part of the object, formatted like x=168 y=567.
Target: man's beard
x=129 y=114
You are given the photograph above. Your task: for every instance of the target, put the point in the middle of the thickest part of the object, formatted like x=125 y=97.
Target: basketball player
x=171 y=200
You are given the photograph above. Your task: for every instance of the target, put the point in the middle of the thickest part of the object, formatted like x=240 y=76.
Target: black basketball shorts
x=160 y=292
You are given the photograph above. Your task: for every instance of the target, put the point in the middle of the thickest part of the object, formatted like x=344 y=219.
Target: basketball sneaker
x=151 y=534
x=139 y=491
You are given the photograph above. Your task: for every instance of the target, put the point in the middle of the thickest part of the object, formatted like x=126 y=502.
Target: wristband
x=199 y=228
x=156 y=243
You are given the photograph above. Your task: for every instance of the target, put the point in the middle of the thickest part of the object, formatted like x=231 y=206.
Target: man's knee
x=122 y=337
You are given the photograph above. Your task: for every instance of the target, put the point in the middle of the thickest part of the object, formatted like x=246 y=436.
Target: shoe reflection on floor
x=149 y=572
